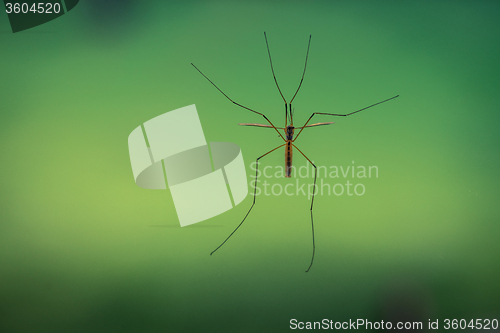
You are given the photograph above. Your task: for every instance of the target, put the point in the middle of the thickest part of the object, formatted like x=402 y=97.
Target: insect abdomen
x=288 y=159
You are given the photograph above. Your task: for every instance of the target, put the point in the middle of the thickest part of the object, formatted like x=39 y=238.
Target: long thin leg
x=302 y=79
x=276 y=81
x=254 y=195
x=312 y=203
x=238 y=103
x=272 y=69
x=341 y=115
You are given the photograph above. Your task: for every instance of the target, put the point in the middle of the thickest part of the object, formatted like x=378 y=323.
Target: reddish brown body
x=288 y=158
x=289 y=150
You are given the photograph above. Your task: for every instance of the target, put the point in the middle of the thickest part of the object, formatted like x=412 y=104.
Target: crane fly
x=288 y=139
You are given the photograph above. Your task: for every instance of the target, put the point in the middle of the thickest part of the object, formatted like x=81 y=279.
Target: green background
x=83 y=249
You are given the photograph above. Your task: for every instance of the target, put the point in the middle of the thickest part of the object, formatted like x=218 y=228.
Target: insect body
x=288 y=151
x=288 y=139
x=289 y=131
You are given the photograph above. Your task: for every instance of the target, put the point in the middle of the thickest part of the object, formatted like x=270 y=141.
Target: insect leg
x=341 y=115
x=276 y=81
x=272 y=69
x=238 y=103
x=254 y=195
x=302 y=79
x=312 y=203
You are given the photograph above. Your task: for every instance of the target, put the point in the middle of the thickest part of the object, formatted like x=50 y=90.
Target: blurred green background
x=83 y=249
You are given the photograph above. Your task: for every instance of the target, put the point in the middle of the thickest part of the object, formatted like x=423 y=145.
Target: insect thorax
x=289 y=132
